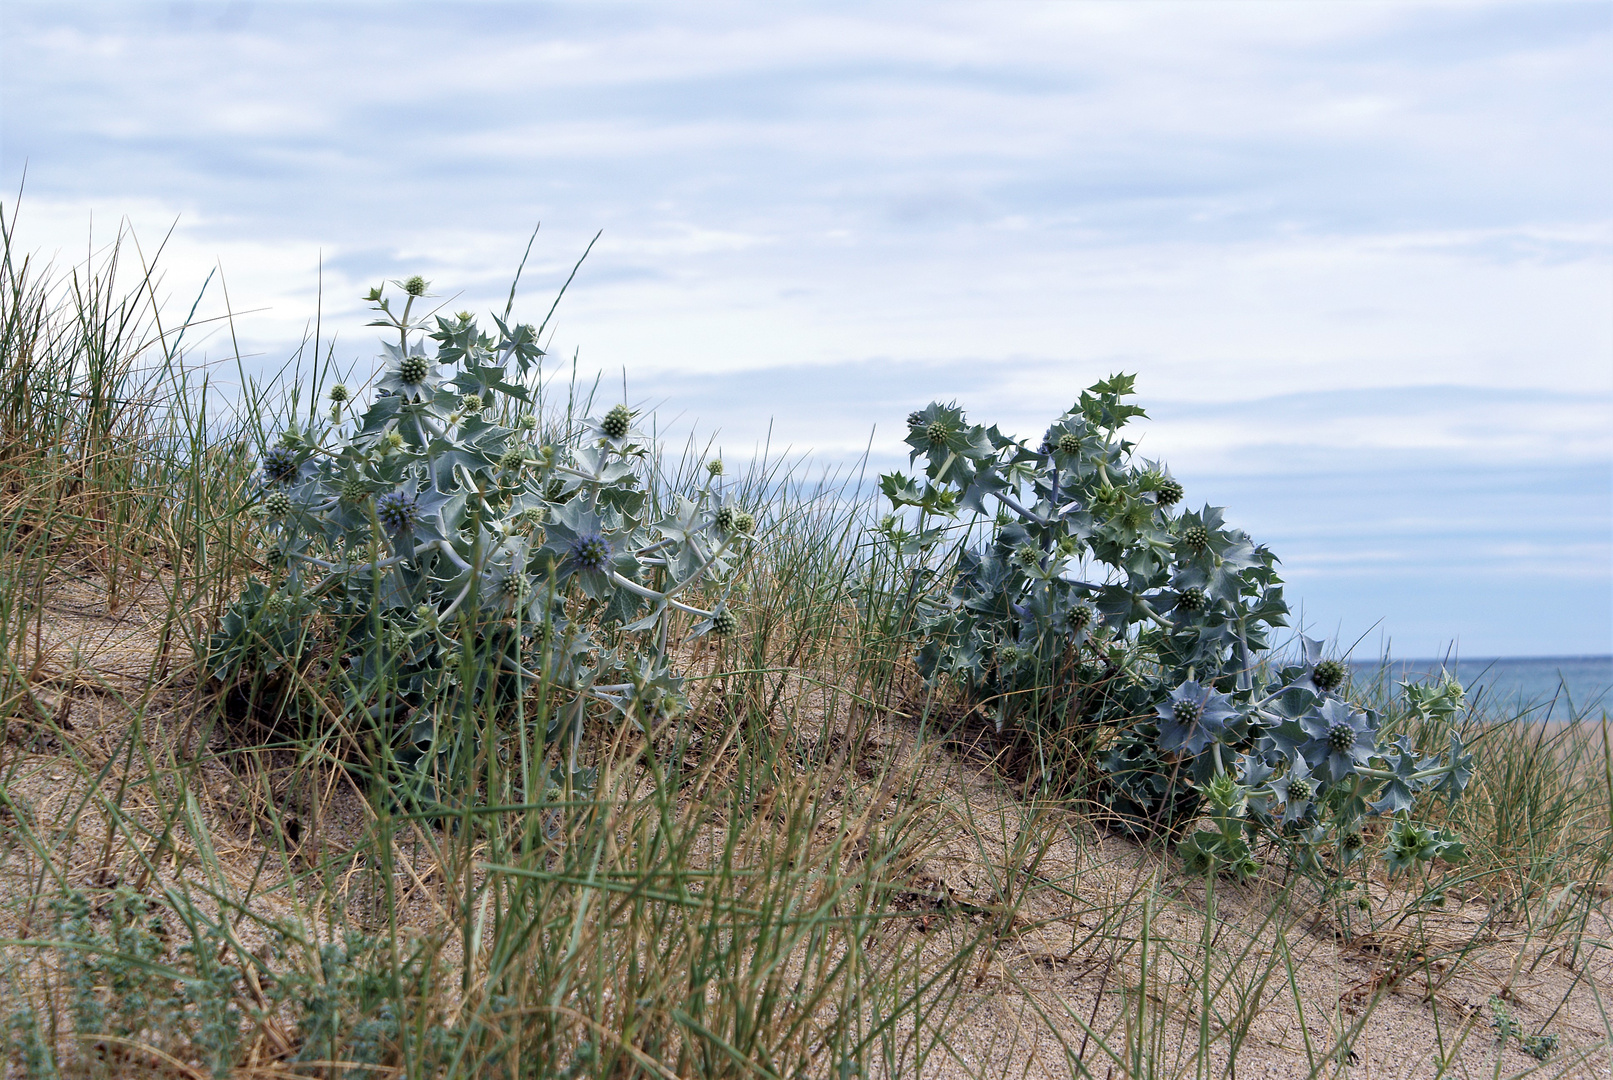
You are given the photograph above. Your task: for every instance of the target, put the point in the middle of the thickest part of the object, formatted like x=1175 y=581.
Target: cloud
x=1333 y=240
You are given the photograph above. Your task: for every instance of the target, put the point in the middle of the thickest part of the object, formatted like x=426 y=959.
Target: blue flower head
x=397 y=511
x=590 y=551
x=1192 y=718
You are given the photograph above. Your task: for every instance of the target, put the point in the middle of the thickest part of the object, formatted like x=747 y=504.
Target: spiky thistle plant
x=1094 y=601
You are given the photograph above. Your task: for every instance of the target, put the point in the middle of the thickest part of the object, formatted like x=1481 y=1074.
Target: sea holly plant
x=446 y=554
x=1099 y=601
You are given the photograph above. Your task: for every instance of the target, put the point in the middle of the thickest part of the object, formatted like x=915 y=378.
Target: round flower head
x=724 y=519
x=274 y=606
x=1196 y=538
x=528 y=422
x=513 y=586
x=512 y=458
x=392 y=440
x=744 y=522
x=1191 y=599
x=471 y=403
x=1027 y=556
x=714 y=468
x=530 y=518
x=1069 y=443
x=1009 y=655
x=616 y=422
x=1328 y=675
x=1300 y=790
x=338 y=393
x=413 y=370
x=397 y=511
x=415 y=286
x=915 y=419
x=591 y=552
x=723 y=623
x=1352 y=841
x=1079 y=618
x=280 y=464
x=1341 y=736
x=937 y=433
x=1168 y=493
x=1192 y=718
x=277 y=504
x=354 y=490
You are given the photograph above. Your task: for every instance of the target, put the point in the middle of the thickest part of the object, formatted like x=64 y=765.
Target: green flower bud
x=513 y=458
x=915 y=419
x=338 y=393
x=1196 y=538
x=1300 y=790
x=413 y=370
x=274 y=606
x=1009 y=655
x=354 y=490
x=1187 y=711
x=1191 y=599
x=415 y=286
x=723 y=623
x=392 y=440
x=1340 y=737
x=530 y=518
x=471 y=403
x=617 y=421
x=1329 y=675
x=724 y=519
x=1069 y=443
x=1079 y=618
x=277 y=503
x=744 y=523
x=1027 y=556
x=527 y=422
x=1168 y=493
x=1351 y=841
x=513 y=586
x=714 y=468
x=937 y=433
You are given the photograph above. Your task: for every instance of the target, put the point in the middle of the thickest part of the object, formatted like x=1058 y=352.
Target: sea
x=1544 y=685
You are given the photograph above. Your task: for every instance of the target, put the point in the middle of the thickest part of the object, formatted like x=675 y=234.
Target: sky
x=1359 y=255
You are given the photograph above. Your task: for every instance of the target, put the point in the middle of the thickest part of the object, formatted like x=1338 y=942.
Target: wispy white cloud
x=1293 y=221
